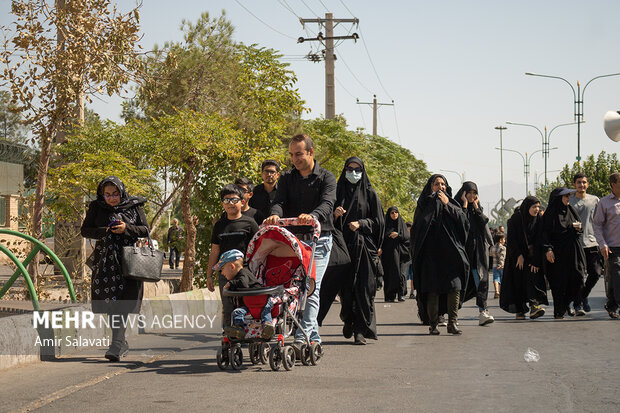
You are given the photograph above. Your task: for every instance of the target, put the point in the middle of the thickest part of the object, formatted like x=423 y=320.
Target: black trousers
x=594 y=266
x=612 y=279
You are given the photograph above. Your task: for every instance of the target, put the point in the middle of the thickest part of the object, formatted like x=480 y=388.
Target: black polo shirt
x=314 y=195
x=262 y=200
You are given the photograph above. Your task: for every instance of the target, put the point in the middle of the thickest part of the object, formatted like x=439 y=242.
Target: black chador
x=395 y=256
x=357 y=281
x=438 y=238
x=522 y=286
x=567 y=272
x=479 y=241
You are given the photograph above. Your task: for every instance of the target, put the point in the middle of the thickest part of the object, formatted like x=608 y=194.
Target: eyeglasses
x=269 y=172
x=349 y=169
x=231 y=200
x=114 y=195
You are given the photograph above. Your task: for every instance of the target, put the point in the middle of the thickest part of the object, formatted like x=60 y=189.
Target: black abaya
x=357 y=283
x=522 y=287
x=567 y=273
x=395 y=256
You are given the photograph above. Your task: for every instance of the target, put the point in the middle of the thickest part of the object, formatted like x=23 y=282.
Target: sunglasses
x=231 y=200
x=114 y=195
x=349 y=169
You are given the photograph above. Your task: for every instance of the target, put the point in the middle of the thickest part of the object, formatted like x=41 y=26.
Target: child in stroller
x=238 y=276
x=284 y=266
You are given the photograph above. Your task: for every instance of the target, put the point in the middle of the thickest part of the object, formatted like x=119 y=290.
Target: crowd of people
x=448 y=252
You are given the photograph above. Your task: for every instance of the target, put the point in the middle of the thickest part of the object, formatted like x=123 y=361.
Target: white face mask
x=353 y=176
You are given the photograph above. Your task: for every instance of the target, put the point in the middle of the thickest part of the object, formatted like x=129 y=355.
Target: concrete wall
x=11 y=178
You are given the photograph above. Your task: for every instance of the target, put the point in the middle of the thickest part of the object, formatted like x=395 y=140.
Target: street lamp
x=539 y=175
x=545 y=139
x=578 y=102
x=501 y=162
x=526 y=164
x=461 y=176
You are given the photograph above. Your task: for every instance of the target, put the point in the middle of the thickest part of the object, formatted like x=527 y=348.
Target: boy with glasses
x=232 y=231
x=248 y=191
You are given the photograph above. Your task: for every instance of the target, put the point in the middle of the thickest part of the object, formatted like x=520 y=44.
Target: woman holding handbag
x=115 y=220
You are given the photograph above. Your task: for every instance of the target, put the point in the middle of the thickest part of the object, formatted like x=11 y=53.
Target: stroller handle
x=292 y=222
x=243 y=292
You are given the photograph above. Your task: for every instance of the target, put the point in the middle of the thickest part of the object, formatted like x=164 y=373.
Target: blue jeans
x=497 y=275
x=309 y=322
x=239 y=313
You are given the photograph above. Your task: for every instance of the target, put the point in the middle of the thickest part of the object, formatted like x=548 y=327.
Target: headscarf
x=126 y=201
x=559 y=214
x=358 y=199
x=465 y=188
x=395 y=225
x=529 y=222
x=427 y=193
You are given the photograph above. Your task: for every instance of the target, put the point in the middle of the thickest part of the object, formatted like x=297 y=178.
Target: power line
x=284 y=4
x=345 y=89
x=262 y=21
x=326 y=9
x=362 y=116
x=311 y=11
x=353 y=74
x=345 y=6
x=396 y=122
x=372 y=64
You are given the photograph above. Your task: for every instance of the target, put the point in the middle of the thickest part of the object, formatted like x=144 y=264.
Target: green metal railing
x=21 y=266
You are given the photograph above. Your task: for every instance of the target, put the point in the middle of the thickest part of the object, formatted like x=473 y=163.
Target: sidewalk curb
x=18 y=337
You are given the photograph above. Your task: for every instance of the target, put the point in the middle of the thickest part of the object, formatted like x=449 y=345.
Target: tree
x=11 y=125
x=58 y=56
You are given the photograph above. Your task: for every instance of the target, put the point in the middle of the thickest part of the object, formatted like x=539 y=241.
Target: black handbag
x=339 y=255
x=142 y=263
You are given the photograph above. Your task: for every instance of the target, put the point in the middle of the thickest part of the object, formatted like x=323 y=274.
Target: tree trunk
x=189 y=257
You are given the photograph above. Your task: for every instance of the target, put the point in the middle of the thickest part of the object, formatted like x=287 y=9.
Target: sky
x=454 y=69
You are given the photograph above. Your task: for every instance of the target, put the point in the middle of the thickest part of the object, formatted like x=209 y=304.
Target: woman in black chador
x=359 y=215
x=395 y=256
x=479 y=241
x=523 y=282
x=115 y=220
x=564 y=254
x=440 y=265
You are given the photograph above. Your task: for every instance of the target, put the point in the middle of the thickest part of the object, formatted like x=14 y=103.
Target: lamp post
x=545 y=139
x=461 y=176
x=539 y=175
x=501 y=162
x=526 y=164
x=578 y=102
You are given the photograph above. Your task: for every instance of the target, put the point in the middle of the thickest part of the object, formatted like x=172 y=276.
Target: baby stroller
x=285 y=267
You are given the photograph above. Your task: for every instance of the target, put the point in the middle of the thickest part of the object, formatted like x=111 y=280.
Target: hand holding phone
x=114 y=223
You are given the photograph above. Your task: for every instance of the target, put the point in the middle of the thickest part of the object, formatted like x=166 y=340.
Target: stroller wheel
x=222 y=359
x=254 y=350
x=288 y=358
x=275 y=358
x=263 y=352
x=316 y=353
x=236 y=357
x=304 y=354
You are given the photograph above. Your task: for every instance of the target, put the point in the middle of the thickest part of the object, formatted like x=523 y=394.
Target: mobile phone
x=114 y=223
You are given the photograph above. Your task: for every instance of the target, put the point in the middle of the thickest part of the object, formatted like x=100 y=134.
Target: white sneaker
x=485 y=318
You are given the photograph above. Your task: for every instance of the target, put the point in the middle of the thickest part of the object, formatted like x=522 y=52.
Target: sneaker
x=401 y=299
x=536 y=311
x=359 y=339
x=117 y=351
x=579 y=312
x=412 y=296
x=442 y=321
x=234 y=331
x=268 y=331
x=520 y=316
x=558 y=316
x=570 y=312
x=485 y=318
x=432 y=330
x=612 y=314
x=496 y=296
x=586 y=306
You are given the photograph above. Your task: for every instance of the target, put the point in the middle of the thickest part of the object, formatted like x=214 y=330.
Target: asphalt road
x=405 y=370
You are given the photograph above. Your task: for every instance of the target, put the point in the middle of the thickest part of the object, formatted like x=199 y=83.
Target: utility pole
x=329 y=23
x=501 y=161
x=375 y=106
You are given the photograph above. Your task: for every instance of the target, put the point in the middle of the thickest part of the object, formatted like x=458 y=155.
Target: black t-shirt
x=235 y=234
x=244 y=279
x=255 y=214
x=262 y=200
